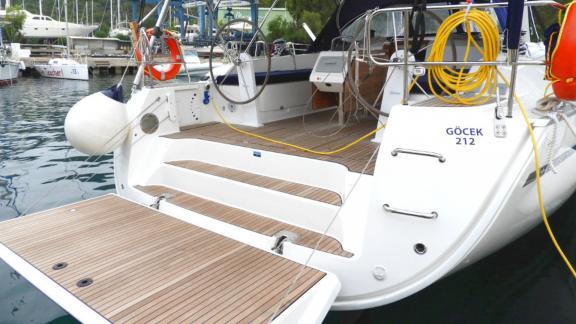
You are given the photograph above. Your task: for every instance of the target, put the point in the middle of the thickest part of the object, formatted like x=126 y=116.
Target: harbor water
x=526 y=282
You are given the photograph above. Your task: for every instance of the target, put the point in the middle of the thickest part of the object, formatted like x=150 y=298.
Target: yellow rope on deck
x=294 y=146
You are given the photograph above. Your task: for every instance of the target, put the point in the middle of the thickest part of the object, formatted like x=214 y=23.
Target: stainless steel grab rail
x=439 y=156
x=431 y=215
x=407 y=9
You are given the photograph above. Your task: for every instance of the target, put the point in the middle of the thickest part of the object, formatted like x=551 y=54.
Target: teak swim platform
x=130 y=263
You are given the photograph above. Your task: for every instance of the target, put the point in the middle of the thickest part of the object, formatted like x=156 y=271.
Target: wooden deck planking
x=151 y=267
x=291 y=188
x=292 y=131
x=247 y=220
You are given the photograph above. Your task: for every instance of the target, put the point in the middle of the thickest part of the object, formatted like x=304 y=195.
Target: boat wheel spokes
x=247 y=53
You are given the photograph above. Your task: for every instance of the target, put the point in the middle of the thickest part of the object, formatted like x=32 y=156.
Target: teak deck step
x=291 y=188
x=150 y=267
x=246 y=220
x=358 y=158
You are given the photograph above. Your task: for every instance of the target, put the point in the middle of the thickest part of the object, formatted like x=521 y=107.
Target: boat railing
x=296 y=48
x=405 y=11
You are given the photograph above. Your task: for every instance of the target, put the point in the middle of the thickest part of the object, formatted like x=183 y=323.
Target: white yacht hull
x=484 y=193
x=8 y=72
x=72 y=72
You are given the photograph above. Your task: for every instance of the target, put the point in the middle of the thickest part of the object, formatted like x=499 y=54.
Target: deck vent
x=84 y=282
x=59 y=266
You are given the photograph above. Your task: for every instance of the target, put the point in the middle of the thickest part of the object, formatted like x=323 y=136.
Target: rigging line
x=130 y=60
x=102 y=18
x=324 y=234
x=543 y=213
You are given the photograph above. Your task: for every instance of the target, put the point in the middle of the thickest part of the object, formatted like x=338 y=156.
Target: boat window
x=36 y=18
x=388 y=24
x=49 y=19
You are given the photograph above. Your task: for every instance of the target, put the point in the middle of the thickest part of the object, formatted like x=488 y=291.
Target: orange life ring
x=562 y=67
x=176 y=58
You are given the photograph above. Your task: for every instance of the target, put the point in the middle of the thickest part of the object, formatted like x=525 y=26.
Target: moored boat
x=346 y=178
x=65 y=67
x=9 y=68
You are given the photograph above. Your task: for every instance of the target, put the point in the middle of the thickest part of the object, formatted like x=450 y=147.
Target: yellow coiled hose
x=456 y=82
x=483 y=81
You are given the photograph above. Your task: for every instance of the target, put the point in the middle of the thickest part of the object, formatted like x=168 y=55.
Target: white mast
x=111 y=16
x=92 y=13
x=76 y=11
x=118 y=17
x=40 y=6
x=58 y=4
x=67 y=31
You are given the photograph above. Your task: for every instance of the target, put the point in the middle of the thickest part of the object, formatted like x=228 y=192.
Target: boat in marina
x=42 y=26
x=348 y=177
x=9 y=68
x=65 y=67
x=46 y=27
x=121 y=28
x=195 y=66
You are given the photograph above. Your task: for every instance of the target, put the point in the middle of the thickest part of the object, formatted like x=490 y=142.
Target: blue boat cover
x=351 y=10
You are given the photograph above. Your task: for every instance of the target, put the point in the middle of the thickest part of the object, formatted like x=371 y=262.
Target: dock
x=103 y=55
x=119 y=261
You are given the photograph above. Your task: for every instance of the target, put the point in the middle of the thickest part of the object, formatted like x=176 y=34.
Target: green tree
x=13 y=23
x=315 y=13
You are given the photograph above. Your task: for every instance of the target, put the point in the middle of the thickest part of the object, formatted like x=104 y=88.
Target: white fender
x=97 y=124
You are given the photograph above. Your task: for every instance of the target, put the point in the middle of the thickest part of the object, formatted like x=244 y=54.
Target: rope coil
x=455 y=82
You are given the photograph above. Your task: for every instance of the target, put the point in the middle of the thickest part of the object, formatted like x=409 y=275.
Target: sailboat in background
x=42 y=26
x=121 y=28
x=66 y=67
x=8 y=67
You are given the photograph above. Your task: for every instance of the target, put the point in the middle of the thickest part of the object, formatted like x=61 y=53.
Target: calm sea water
x=525 y=282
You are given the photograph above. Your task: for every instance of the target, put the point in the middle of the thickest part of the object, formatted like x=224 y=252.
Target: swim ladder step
x=246 y=220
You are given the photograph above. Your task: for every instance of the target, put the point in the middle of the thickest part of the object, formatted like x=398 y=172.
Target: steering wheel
x=240 y=49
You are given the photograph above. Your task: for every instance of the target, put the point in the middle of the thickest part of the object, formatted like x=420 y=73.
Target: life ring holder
x=234 y=59
x=176 y=58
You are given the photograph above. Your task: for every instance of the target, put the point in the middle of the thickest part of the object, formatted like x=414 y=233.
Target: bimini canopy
x=351 y=9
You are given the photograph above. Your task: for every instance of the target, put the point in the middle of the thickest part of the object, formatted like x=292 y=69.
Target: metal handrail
x=431 y=215
x=406 y=12
x=438 y=156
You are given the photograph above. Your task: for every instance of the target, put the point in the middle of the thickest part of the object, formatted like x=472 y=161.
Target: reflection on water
x=39 y=170
x=525 y=282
